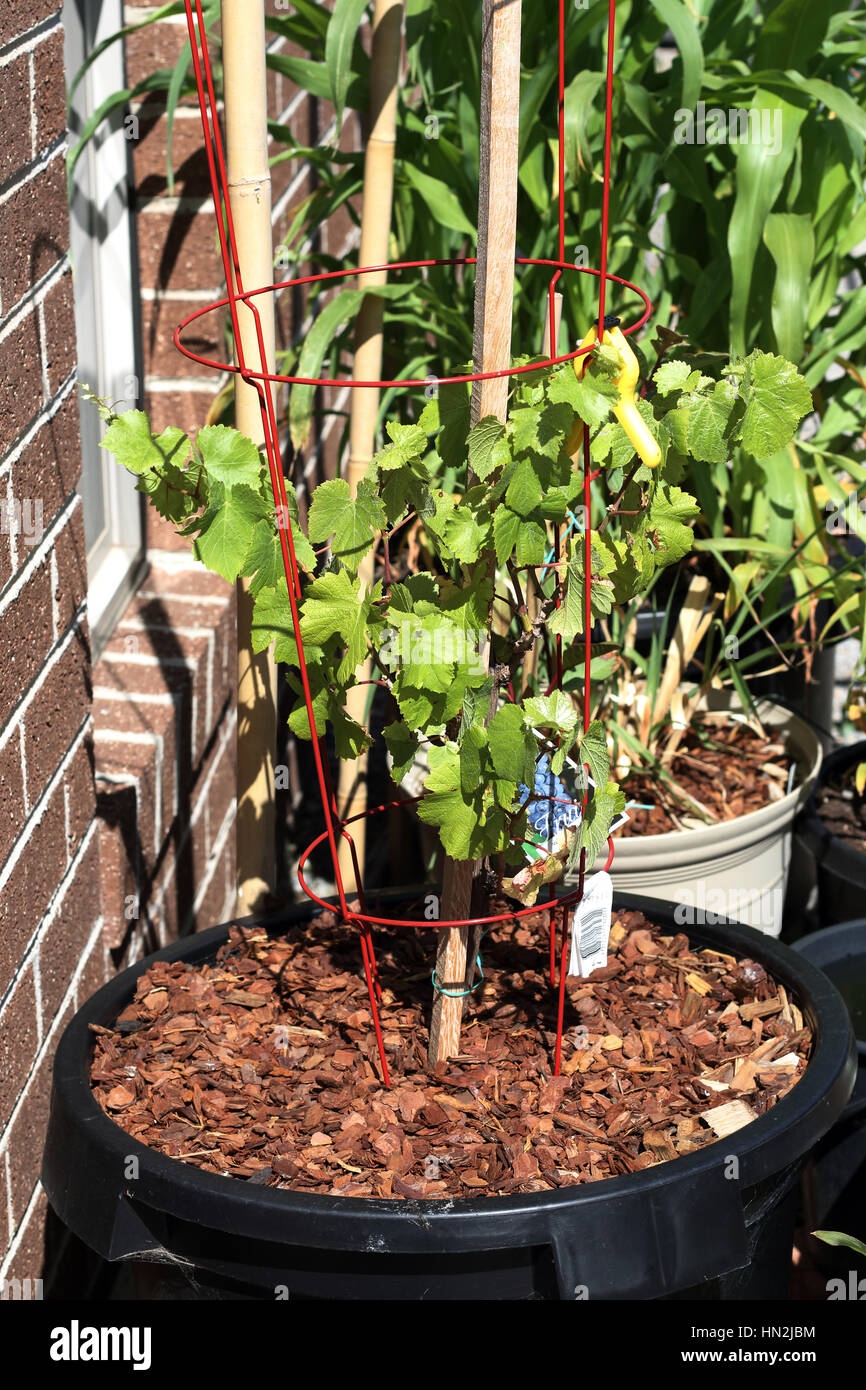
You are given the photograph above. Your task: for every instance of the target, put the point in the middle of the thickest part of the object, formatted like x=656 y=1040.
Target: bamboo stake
x=375 y=235
x=243 y=38
x=494 y=294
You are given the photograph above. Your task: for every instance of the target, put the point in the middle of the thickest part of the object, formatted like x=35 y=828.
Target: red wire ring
x=250 y=376
x=361 y=915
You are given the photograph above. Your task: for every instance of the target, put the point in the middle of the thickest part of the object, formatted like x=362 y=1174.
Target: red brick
x=15 y=150
x=188 y=157
x=116 y=759
x=31 y=884
x=49 y=467
x=178 y=250
x=205 y=337
x=36 y=221
x=18 y=1035
x=5 y=1232
x=222 y=791
x=196 y=582
x=27 y=1137
x=11 y=794
x=20 y=374
x=81 y=795
x=97 y=968
x=18 y=16
x=70 y=549
x=188 y=410
x=213 y=908
x=172 y=650
x=119 y=860
x=29 y=1258
x=65 y=937
x=50 y=90
x=26 y=635
x=157 y=46
x=135 y=681
x=55 y=714
x=60 y=349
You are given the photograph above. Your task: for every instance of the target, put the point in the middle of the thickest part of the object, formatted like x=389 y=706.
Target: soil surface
x=843 y=811
x=262 y=1064
x=725 y=766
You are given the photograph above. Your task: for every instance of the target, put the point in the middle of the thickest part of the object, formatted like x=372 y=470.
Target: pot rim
x=831 y=851
x=765 y=1146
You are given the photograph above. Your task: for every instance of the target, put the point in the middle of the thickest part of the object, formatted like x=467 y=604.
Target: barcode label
x=591 y=927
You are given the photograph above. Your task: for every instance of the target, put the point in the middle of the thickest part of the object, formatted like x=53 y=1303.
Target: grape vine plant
x=463 y=600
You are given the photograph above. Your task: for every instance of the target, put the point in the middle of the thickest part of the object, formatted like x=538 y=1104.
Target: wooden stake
x=243 y=39
x=494 y=295
x=375 y=235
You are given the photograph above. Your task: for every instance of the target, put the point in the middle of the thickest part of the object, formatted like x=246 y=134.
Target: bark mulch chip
x=843 y=810
x=726 y=766
x=262 y=1063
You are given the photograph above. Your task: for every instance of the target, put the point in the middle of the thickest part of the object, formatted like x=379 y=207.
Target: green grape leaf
x=512 y=745
x=488 y=447
x=710 y=422
x=226 y=529
x=130 y=440
x=531 y=542
x=473 y=747
x=351 y=521
x=593 y=750
x=171 y=491
x=464 y=536
x=402 y=744
x=264 y=558
x=408 y=442
x=506 y=529
x=777 y=398
x=554 y=711
x=605 y=804
x=671 y=376
x=445 y=807
x=335 y=607
x=669 y=511
x=229 y=456
x=524 y=491
x=454 y=418
x=567 y=620
x=590 y=398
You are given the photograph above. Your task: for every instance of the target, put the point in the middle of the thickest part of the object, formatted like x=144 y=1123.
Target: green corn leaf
x=441 y=202
x=790 y=240
x=341 y=308
x=339 y=48
x=760 y=174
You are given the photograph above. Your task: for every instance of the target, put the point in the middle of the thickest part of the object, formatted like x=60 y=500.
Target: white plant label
x=590 y=929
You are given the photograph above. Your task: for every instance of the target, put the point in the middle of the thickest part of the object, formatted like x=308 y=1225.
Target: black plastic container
x=714 y=1224
x=840 y=870
x=836 y=1179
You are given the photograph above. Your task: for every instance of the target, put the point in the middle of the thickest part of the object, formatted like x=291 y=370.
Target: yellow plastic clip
x=625 y=410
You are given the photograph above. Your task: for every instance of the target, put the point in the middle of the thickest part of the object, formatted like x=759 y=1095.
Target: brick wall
x=116 y=778
x=50 y=918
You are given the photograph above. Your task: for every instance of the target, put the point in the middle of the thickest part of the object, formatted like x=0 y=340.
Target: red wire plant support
x=264 y=382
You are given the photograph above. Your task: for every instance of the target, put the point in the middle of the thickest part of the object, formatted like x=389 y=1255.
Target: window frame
x=107 y=313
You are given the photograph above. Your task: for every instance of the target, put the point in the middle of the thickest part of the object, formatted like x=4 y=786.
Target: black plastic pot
x=837 y=1172
x=840 y=870
x=701 y=1226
